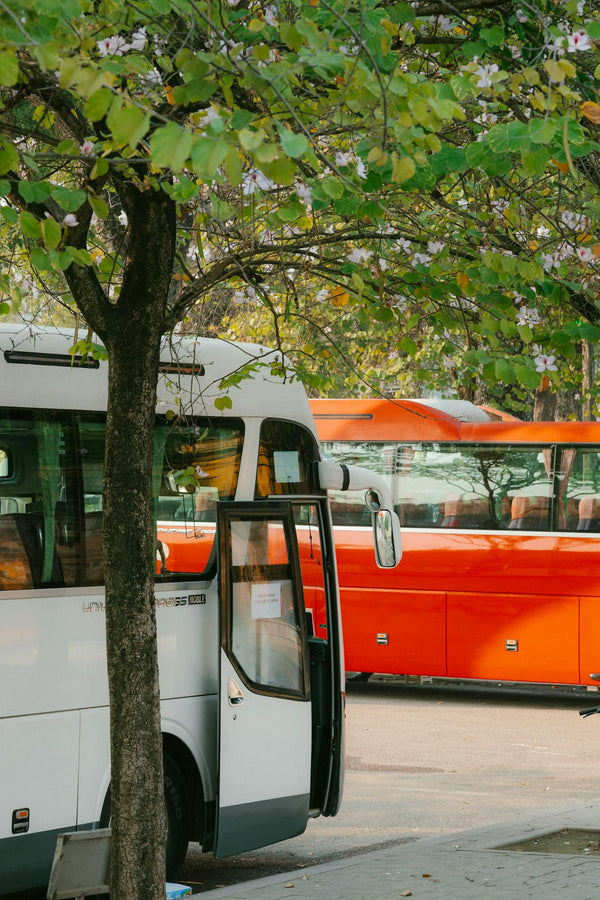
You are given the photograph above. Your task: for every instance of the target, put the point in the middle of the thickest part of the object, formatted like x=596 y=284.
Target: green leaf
x=99 y=205
x=494 y=37
x=293 y=144
x=401 y=13
x=403 y=168
x=589 y=332
x=170 y=147
x=333 y=187
x=4 y=308
x=535 y=161
x=251 y=139
x=223 y=402
x=128 y=124
x=34 y=191
x=282 y=171
x=51 y=233
x=541 y=131
x=69 y=199
x=48 y=55
x=30 y=225
x=504 y=371
x=207 y=155
x=290 y=36
x=9 y=68
x=98 y=104
x=99 y=168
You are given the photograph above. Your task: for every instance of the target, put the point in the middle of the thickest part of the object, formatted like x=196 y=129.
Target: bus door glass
x=326 y=663
x=263 y=791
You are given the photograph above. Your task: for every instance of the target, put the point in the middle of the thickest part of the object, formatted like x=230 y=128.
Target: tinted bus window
x=452 y=485
x=285 y=460
x=579 y=490
x=51 y=495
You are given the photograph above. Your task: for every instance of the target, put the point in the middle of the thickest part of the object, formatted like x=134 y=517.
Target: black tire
x=178 y=817
x=177 y=810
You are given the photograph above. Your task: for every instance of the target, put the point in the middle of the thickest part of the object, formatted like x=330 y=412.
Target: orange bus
x=500 y=575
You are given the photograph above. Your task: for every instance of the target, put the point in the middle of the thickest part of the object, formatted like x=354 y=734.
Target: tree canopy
x=432 y=167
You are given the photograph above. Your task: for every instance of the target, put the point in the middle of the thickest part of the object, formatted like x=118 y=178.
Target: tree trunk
x=587 y=380
x=131 y=329
x=544 y=402
x=137 y=792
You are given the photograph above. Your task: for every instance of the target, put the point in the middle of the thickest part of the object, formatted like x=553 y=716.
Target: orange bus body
x=504 y=598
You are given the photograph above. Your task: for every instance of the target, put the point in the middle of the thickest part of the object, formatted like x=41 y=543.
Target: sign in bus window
x=265 y=633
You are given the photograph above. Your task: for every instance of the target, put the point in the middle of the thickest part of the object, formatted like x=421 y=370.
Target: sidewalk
x=464 y=866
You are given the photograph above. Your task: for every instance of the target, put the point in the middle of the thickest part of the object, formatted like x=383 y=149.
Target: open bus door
x=265 y=729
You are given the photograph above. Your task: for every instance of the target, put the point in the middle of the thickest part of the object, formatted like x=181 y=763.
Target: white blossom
x=585 y=254
x=271 y=15
x=342 y=159
x=115 y=45
x=361 y=169
x=122 y=219
x=402 y=244
x=484 y=74
x=435 y=247
x=575 y=221
x=528 y=316
x=87 y=148
x=551 y=260
x=246 y=294
x=255 y=180
x=70 y=220
x=499 y=206
x=579 y=40
x=359 y=255
x=138 y=39
x=151 y=78
x=304 y=192
x=422 y=259
x=545 y=363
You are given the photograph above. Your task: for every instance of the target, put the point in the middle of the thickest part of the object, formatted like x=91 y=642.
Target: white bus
x=251 y=699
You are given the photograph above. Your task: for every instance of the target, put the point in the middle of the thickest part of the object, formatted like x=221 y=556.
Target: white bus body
x=251 y=701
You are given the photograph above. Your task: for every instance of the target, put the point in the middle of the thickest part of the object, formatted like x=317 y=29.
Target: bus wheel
x=177 y=813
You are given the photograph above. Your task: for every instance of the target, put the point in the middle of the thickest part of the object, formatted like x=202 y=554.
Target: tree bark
x=544 y=404
x=131 y=329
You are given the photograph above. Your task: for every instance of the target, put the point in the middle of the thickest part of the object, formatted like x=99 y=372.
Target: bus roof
x=36 y=370
x=439 y=420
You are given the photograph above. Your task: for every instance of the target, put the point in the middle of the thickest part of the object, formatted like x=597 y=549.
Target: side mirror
x=386 y=524
x=386 y=536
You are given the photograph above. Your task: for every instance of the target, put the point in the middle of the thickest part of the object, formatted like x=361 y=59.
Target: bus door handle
x=234 y=694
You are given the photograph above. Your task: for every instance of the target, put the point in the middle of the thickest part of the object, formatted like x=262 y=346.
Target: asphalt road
x=426 y=760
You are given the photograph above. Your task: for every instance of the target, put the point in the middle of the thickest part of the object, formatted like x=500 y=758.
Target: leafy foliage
x=422 y=177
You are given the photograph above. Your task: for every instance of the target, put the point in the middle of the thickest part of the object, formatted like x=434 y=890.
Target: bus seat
x=505 y=511
x=589 y=514
x=572 y=514
x=416 y=515
x=530 y=513
x=343 y=513
x=21 y=543
x=467 y=512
